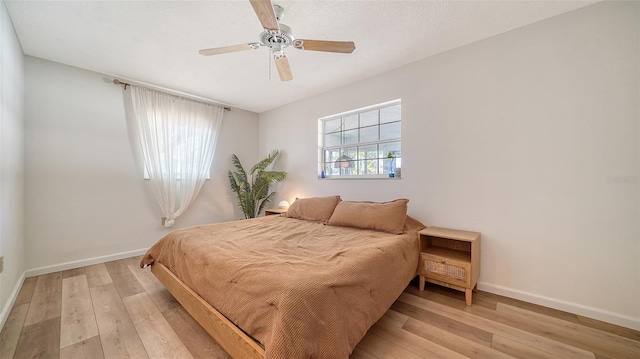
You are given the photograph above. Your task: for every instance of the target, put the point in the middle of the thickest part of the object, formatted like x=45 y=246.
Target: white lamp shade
x=283 y=204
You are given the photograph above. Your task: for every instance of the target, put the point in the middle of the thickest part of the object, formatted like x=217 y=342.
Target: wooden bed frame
x=236 y=342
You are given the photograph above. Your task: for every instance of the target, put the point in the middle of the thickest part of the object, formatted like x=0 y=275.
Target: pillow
x=385 y=216
x=313 y=209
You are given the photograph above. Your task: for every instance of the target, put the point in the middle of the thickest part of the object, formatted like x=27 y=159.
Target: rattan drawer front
x=446 y=270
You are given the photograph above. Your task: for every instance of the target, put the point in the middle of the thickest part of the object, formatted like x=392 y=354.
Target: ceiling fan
x=277 y=37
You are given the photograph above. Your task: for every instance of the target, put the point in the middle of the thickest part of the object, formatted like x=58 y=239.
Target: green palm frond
x=237 y=186
x=253 y=194
x=273 y=176
x=239 y=168
x=262 y=165
x=265 y=201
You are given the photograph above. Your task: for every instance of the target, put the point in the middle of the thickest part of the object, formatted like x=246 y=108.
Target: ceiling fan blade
x=232 y=48
x=266 y=15
x=284 y=70
x=345 y=47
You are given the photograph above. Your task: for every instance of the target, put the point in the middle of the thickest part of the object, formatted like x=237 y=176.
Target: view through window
x=361 y=143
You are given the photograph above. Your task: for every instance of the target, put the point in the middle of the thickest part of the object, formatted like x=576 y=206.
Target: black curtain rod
x=118 y=82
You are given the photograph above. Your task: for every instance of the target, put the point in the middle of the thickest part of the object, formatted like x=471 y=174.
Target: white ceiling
x=157 y=42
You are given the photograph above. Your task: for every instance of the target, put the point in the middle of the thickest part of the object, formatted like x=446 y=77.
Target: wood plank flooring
x=116 y=310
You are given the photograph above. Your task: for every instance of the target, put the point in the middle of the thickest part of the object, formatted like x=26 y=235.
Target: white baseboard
x=575 y=308
x=82 y=263
x=587 y=311
x=9 y=304
x=56 y=268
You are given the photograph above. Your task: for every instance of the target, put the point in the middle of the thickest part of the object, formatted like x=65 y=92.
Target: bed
x=277 y=287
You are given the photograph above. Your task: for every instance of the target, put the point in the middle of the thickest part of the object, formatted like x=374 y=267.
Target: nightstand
x=274 y=211
x=451 y=258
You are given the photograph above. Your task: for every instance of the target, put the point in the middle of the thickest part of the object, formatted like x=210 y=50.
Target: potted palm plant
x=252 y=188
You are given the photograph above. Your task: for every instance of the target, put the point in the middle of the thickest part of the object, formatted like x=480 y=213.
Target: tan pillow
x=385 y=216
x=313 y=209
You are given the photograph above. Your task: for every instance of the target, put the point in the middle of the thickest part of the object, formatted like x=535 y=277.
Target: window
x=363 y=143
x=173 y=146
x=177 y=137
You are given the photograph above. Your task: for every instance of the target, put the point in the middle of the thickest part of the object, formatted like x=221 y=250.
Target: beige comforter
x=302 y=289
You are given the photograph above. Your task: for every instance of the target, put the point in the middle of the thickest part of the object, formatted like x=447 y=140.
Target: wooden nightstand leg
x=422 y=283
x=467 y=296
x=475 y=288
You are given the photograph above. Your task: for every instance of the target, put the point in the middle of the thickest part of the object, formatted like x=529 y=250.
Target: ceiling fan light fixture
x=279 y=11
x=277 y=48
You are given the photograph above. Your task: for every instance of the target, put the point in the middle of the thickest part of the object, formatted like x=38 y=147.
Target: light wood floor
x=117 y=310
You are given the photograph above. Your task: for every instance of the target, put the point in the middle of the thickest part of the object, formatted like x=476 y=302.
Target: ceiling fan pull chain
x=269 y=58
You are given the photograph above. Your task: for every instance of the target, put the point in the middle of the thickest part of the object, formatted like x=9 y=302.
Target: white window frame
x=383 y=163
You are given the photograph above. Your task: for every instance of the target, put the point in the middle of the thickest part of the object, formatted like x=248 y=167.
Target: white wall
x=11 y=161
x=84 y=192
x=530 y=137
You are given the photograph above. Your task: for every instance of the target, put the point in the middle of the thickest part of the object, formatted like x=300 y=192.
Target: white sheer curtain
x=178 y=138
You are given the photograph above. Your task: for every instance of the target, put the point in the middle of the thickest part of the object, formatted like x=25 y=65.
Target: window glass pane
x=390 y=114
x=331 y=155
x=393 y=147
x=368 y=134
x=350 y=137
x=370 y=151
x=330 y=170
x=346 y=164
x=360 y=166
x=390 y=131
x=349 y=171
x=351 y=152
x=351 y=122
x=370 y=167
x=369 y=118
x=333 y=125
x=332 y=139
x=345 y=161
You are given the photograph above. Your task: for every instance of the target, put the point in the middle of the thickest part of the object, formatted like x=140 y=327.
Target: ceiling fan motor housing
x=278 y=40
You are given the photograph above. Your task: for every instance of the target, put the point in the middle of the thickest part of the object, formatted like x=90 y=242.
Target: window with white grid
x=363 y=143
